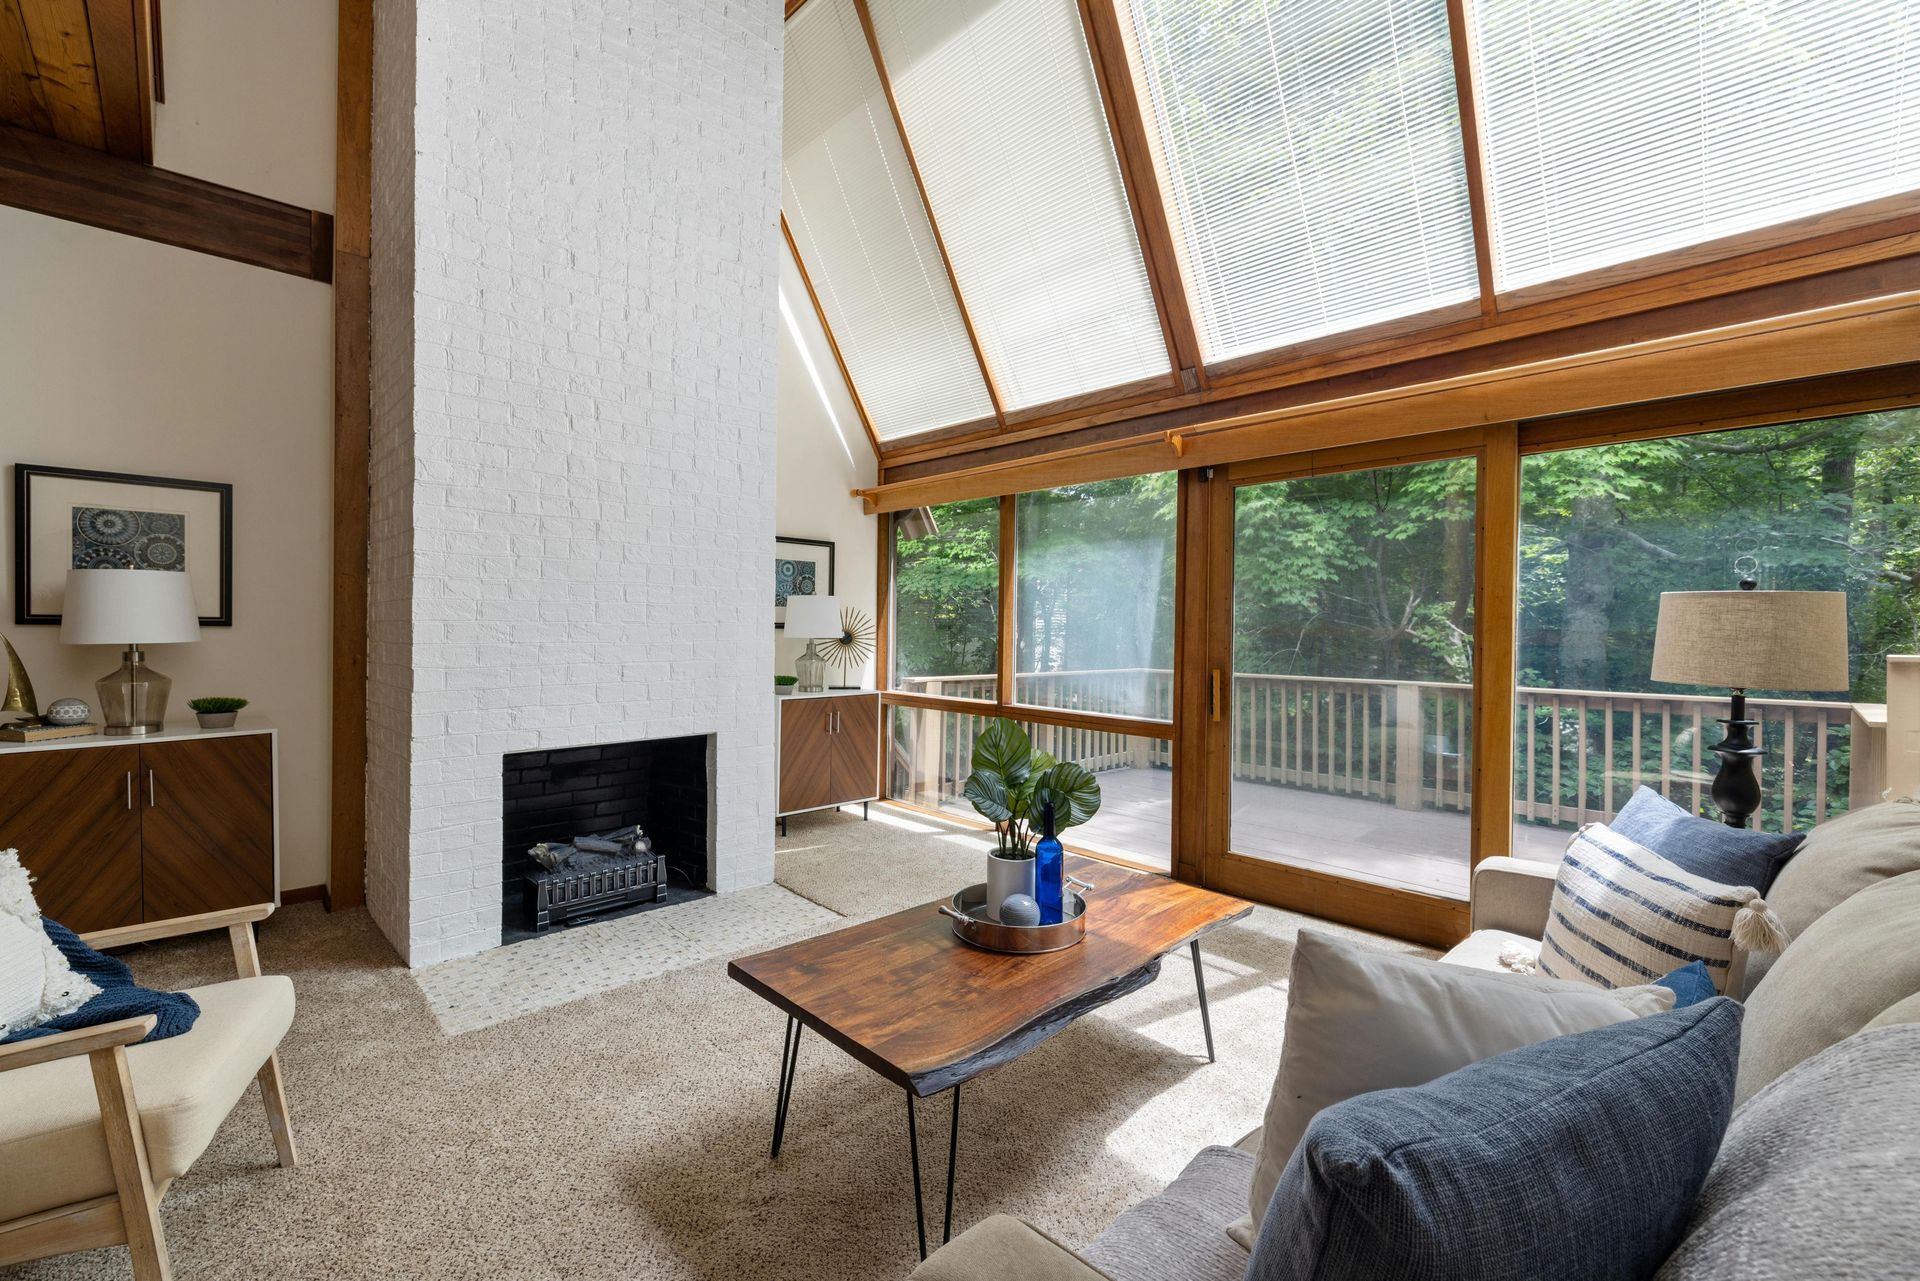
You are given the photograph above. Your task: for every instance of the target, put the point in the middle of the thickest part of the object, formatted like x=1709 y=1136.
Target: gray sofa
x=1828 y=1093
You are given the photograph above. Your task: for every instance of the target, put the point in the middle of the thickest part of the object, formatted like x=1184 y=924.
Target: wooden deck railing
x=1578 y=754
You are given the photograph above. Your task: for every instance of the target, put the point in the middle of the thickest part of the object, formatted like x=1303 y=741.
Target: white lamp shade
x=129 y=607
x=1753 y=640
x=813 y=616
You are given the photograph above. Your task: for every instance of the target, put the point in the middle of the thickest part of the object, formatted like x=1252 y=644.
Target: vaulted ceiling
x=1016 y=214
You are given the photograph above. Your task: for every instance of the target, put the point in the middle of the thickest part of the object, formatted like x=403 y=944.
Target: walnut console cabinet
x=117 y=831
x=828 y=749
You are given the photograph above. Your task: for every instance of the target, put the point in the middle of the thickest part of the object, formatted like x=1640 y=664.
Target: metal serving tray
x=972 y=925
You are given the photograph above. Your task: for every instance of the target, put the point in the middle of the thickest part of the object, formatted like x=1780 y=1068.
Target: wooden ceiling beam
x=1115 y=66
x=80 y=71
x=1466 y=86
x=926 y=204
x=839 y=360
x=1864 y=334
x=61 y=48
x=65 y=180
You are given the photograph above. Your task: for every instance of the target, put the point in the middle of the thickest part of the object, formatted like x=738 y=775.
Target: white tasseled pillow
x=36 y=983
x=1623 y=915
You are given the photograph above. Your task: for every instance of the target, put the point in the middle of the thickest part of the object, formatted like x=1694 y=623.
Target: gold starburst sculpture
x=854 y=645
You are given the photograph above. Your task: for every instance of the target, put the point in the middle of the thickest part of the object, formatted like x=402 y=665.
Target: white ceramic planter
x=1007 y=876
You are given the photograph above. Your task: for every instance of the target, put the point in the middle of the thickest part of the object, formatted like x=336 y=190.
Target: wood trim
x=57 y=32
x=1496 y=580
x=833 y=344
x=1007 y=610
x=62 y=180
x=1203 y=613
x=1871 y=332
x=1849 y=265
x=1376 y=453
x=352 y=451
x=1115 y=68
x=1422 y=918
x=304 y=894
x=1466 y=87
x=159 y=70
x=883 y=642
x=1857 y=392
x=23 y=99
x=933 y=224
x=1101 y=721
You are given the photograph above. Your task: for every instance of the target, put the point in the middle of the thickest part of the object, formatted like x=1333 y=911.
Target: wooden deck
x=1425 y=850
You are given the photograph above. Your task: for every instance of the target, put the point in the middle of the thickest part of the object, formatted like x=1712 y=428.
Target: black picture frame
x=779 y=622
x=24 y=476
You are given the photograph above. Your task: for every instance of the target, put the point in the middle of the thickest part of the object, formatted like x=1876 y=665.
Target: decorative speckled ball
x=69 y=711
x=1019 y=909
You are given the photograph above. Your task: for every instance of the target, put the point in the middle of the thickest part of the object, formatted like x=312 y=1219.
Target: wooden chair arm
x=66 y=1045
x=146 y=932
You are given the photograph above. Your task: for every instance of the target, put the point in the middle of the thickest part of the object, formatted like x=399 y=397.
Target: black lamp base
x=1736 y=787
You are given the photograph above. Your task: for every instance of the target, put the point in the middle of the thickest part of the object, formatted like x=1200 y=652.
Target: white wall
x=118 y=354
x=574 y=396
x=824 y=456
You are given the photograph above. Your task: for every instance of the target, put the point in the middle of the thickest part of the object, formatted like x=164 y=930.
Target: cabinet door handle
x=129 y=789
x=150 y=800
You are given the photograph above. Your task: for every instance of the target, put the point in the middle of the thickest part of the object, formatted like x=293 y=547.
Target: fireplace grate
x=568 y=894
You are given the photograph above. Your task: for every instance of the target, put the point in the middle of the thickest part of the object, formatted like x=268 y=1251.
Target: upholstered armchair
x=94 y=1126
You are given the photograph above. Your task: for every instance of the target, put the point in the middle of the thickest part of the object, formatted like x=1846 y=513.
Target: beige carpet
x=625 y=1135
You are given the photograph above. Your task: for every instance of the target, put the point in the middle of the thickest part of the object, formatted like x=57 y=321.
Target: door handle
x=129 y=789
x=150 y=800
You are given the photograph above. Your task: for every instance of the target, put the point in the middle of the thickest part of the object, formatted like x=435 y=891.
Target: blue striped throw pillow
x=1623 y=915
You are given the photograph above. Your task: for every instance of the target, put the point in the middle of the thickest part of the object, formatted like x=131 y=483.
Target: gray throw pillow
x=1729 y=855
x=1819 y=1175
x=1577 y=1158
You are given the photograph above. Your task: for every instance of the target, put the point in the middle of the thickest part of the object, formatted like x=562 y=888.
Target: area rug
x=624 y=1135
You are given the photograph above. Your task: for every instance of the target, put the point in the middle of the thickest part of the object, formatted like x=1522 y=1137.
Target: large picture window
x=1094 y=591
x=1827 y=505
x=946 y=601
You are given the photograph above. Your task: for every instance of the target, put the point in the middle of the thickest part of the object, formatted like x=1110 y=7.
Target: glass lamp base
x=811 y=668
x=133 y=699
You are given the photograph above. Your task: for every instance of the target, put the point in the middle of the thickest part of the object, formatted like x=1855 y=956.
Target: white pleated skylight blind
x=862 y=233
x=1315 y=162
x=1617 y=129
x=1001 y=108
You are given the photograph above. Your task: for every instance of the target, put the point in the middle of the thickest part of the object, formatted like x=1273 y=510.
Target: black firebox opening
x=658 y=785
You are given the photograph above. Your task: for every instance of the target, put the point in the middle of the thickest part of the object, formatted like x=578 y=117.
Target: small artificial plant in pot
x=784 y=684
x=218 y=712
x=1010 y=786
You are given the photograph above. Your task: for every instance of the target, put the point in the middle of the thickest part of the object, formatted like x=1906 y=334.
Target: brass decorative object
x=20 y=696
x=853 y=646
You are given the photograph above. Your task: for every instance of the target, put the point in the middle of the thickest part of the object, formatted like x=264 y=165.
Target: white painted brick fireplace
x=575 y=248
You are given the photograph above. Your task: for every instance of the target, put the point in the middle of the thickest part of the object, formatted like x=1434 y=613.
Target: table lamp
x=125 y=607
x=1749 y=640
x=814 y=617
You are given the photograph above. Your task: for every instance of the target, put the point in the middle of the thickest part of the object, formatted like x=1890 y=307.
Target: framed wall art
x=65 y=518
x=801 y=567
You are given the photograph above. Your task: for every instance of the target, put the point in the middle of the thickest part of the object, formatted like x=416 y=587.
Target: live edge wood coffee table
x=929 y=1013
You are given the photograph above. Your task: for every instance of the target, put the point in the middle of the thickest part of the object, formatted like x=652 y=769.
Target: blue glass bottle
x=1048 y=870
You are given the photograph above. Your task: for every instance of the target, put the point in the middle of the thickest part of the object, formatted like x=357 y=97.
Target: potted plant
x=785 y=684
x=1010 y=785
x=217 y=712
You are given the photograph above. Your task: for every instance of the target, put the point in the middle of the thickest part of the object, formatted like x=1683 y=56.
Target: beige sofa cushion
x=52 y=1149
x=1856 y=961
x=1843 y=856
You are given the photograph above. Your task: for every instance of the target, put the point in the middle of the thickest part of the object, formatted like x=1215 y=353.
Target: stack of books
x=28 y=733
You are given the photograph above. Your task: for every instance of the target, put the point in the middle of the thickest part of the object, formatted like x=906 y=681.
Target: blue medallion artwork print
x=119 y=538
x=792 y=578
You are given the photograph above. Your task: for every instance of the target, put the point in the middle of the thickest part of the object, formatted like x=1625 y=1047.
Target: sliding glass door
x=1352 y=676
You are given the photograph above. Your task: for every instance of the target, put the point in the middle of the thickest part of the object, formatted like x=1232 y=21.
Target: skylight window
x=1313 y=154
x=1618 y=131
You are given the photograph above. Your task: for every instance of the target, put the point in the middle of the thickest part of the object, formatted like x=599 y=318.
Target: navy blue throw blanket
x=119 y=997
